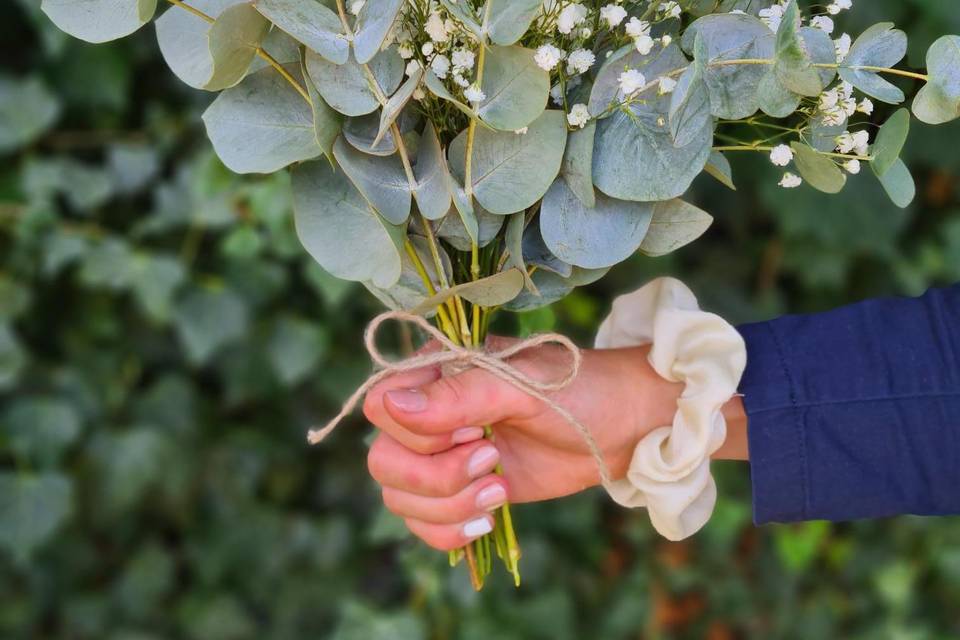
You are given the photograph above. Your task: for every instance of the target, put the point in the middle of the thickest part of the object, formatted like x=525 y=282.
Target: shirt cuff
x=776 y=429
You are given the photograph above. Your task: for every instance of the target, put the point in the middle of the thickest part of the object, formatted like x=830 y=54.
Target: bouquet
x=460 y=157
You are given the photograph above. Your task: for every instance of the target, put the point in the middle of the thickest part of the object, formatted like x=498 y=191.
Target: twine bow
x=453 y=355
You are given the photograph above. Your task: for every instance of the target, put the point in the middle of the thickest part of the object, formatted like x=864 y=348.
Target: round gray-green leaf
x=505 y=21
x=432 y=191
x=311 y=23
x=484 y=228
x=373 y=24
x=262 y=124
x=577 y=166
x=890 y=141
x=899 y=184
x=345 y=86
x=675 y=224
x=733 y=88
x=939 y=101
x=362 y=131
x=512 y=171
x=879 y=46
x=27 y=109
x=339 y=229
x=492 y=291
x=234 y=39
x=99 y=20
x=593 y=238
x=793 y=64
x=551 y=287
x=819 y=170
x=381 y=180
x=184 y=40
x=774 y=99
x=690 y=103
x=516 y=88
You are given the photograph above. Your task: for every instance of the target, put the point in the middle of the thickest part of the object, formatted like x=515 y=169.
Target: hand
x=437 y=470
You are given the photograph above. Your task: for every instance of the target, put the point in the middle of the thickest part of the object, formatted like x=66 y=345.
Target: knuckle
x=452 y=389
x=391 y=501
x=377 y=460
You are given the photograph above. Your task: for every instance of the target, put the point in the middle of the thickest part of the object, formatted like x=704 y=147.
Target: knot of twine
x=456 y=357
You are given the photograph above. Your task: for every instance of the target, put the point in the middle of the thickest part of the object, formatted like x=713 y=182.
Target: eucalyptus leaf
x=262 y=124
x=516 y=89
x=719 y=167
x=462 y=11
x=604 y=92
x=774 y=99
x=185 y=43
x=327 y=122
x=513 y=243
x=361 y=132
x=311 y=23
x=793 y=65
x=822 y=134
x=410 y=290
x=537 y=254
x=484 y=229
x=99 y=20
x=593 y=238
x=432 y=192
x=340 y=230
x=437 y=88
x=552 y=287
x=464 y=207
x=690 y=101
x=346 y=88
x=675 y=224
x=234 y=38
x=505 y=21
x=374 y=22
x=822 y=51
x=492 y=291
x=381 y=180
x=879 y=46
x=939 y=101
x=394 y=106
x=819 y=170
x=733 y=88
x=510 y=171
x=890 y=142
x=899 y=184
x=577 y=166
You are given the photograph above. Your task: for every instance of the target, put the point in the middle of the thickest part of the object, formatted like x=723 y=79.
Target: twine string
x=456 y=357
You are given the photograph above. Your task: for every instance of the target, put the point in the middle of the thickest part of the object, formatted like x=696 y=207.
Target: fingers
x=440 y=475
x=376 y=413
x=448 y=404
x=480 y=497
x=448 y=537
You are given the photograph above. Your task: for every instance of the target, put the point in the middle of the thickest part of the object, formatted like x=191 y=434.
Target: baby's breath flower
x=460 y=81
x=631 y=81
x=666 y=40
x=521 y=132
x=427 y=48
x=579 y=116
x=636 y=28
x=865 y=106
x=356 y=6
x=852 y=166
x=644 y=44
x=837 y=6
x=613 y=14
x=790 y=181
x=436 y=28
x=405 y=50
x=571 y=16
x=667 y=85
x=772 y=16
x=586 y=32
x=413 y=66
x=670 y=9
x=824 y=23
x=580 y=61
x=781 y=155
x=463 y=59
x=474 y=94
x=419 y=94
x=547 y=57
x=440 y=65
x=842 y=46
x=829 y=99
x=556 y=94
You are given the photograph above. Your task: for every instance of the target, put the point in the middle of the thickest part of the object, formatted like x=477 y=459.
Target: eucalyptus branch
x=768 y=148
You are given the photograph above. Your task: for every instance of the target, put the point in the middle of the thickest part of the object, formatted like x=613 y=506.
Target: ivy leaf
x=234 y=39
x=99 y=20
x=898 y=183
x=879 y=46
x=793 y=65
x=340 y=230
x=311 y=23
x=819 y=170
x=511 y=172
x=381 y=180
x=493 y=291
x=690 y=101
x=40 y=428
x=577 y=166
x=596 y=237
x=733 y=88
x=295 y=347
x=516 y=88
x=27 y=110
x=890 y=141
x=719 y=167
x=391 y=110
x=207 y=320
x=184 y=40
x=374 y=22
x=939 y=101
x=345 y=86
x=675 y=224
x=13 y=357
x=262 y=124
x=432 y=192
x=505 y=21
x=32 y=508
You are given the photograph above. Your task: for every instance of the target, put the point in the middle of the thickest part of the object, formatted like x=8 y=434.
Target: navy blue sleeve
x=855 y=413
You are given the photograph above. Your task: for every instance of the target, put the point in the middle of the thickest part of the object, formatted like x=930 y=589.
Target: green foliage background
x=165 y=342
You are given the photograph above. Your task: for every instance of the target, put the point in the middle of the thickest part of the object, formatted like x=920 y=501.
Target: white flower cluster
x=772 y=16
x=448 y=53
x=838 y=104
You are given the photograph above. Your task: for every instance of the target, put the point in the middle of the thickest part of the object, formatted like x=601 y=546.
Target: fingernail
x=482 y=461
x=477 y=528
x=467 y=434
x=409 y=400
x=491 y=497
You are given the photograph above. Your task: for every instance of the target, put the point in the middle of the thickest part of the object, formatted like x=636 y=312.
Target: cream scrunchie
x=670 y=470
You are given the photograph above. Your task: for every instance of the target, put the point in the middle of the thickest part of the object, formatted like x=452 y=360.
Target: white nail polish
x=482 y=461
x=477 y=528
